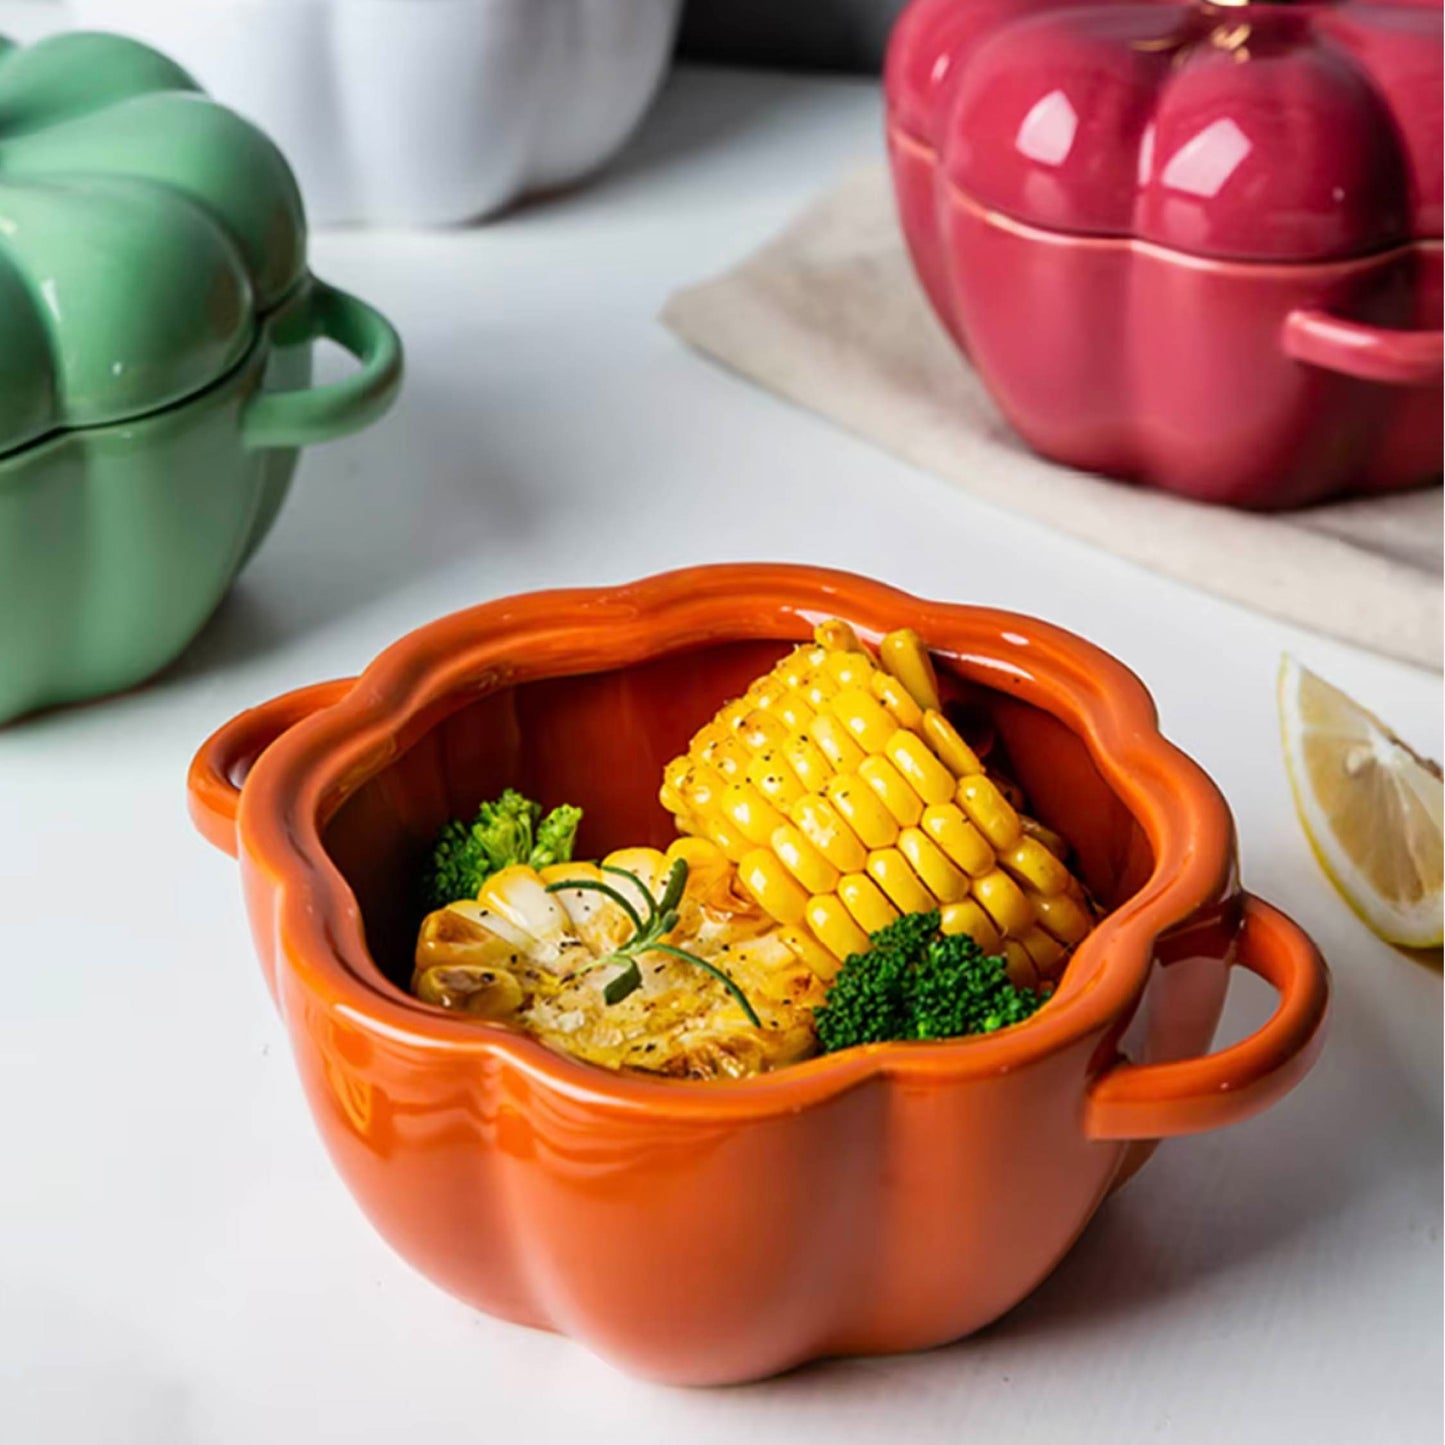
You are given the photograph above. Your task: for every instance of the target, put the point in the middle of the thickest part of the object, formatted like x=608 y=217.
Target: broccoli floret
x=456 y=867
x=916 y=982
x=868 y=1001
x=509 y=830
x=556 y=834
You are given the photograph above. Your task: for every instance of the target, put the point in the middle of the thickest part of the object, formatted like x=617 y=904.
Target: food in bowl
x=494 y=1164
x=655 y=963
x=846 y=796
x=848 y=873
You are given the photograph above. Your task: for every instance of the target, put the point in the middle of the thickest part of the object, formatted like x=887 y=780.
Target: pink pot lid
x=1284 y=132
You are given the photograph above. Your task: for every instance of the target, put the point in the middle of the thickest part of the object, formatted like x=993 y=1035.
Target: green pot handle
x=323 y=413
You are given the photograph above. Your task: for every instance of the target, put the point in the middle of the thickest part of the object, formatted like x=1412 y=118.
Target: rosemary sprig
x=661 y=919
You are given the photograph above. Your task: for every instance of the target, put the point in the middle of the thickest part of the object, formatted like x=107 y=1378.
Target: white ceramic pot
x=418 y=112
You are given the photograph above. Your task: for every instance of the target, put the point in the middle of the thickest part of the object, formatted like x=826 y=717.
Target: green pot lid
x=143 y=228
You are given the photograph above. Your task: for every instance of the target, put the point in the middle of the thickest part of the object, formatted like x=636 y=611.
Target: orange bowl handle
x=1157 y=1101
x=219 y=769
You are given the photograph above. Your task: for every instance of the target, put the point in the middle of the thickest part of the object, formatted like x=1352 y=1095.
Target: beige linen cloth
x=829 y=315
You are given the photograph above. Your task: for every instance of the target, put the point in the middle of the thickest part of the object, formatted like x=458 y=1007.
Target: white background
x=177 y=1261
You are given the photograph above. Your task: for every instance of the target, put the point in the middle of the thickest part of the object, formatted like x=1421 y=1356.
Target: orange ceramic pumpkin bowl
x=886 y=1198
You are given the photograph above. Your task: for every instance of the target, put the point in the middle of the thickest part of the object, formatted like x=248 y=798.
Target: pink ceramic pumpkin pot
x=1195 y=245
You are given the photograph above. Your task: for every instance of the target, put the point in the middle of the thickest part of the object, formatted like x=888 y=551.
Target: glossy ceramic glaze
x=1196 y=245
x=144 y=231
x=156 y=322
x=431 y=111
x=117 y=542
x=887 y=1198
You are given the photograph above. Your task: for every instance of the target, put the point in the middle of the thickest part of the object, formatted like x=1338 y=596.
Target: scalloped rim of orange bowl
x=302 y=778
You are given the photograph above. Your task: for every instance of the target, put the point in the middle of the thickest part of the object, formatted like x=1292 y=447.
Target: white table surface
x=177 y=1261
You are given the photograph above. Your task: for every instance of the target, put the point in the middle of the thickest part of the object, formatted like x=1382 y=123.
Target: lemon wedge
x=1371 y=806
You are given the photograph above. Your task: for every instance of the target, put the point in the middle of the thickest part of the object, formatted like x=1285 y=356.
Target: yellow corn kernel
x=864 y=717
x=928 y=777
x=1043 y=950
x=1003 y=900
x=967 y=917
x=903 y=654
x=1019 y=966
x=727 y=755
x=804 y=861
x=750 y=813
x=695 y=852
x=699 y=784
x=835 y=635
x=958 y=838
x=731 y=714
x=990 y=811
x=809 y=951
x=818 y=689
x=808 y=761
x=1063 y=917
x=849 y=669
x=760 y=730
x=799 y=666
x=717 y=830
x=766 y=691
x=897 y=699
x=863 y=898
x=768 y=882
x=822 y=825
x=893 y=792
x=889 y=869
x=770 y=774
x=860 y=808
x=834 y=928
x=1030 y=862
x=946 y=883
x=952 y=751
x=832 y=737
x=706 y=735
x=793 y=712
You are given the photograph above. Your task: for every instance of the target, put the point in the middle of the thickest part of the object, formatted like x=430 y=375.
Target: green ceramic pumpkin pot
x=156 y=321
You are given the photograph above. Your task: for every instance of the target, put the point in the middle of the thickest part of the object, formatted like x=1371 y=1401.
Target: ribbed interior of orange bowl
x=584 y=694
x=601 y=739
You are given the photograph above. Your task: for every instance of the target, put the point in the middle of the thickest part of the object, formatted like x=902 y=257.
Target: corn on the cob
x=846 y=797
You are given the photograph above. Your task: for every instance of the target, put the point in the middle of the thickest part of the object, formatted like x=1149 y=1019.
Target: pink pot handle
x=1156 y=1101
x=1371 y=353
x=219 y=768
